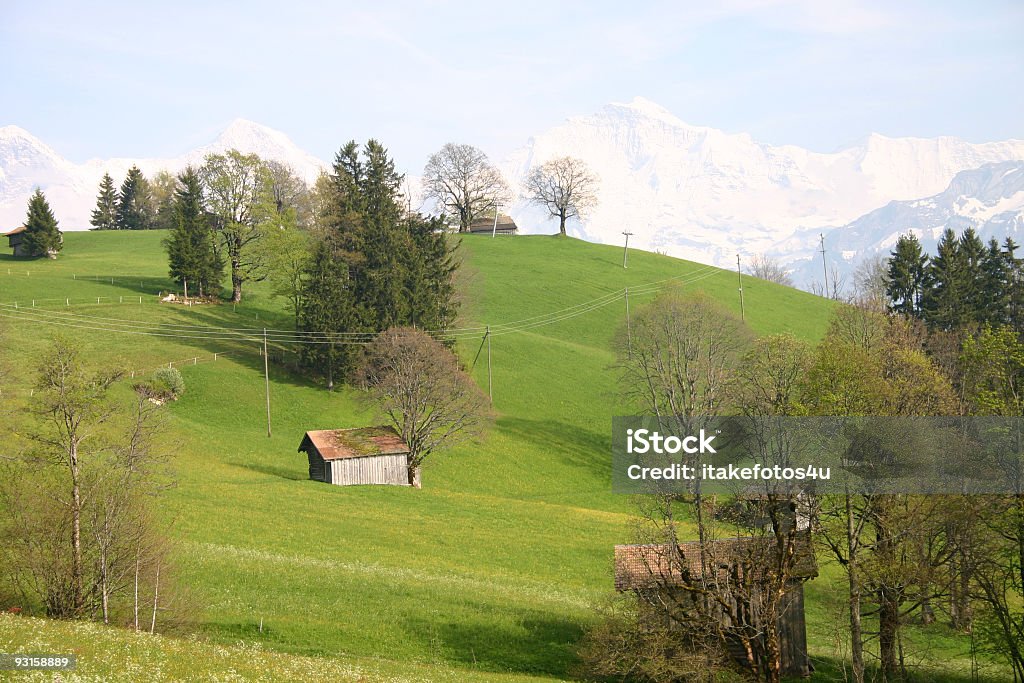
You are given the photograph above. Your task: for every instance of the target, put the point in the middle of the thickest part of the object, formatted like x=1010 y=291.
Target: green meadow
x=492 y=571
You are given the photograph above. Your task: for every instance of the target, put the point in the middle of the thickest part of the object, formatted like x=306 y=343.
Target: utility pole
x=824 y=265
x=490 y=391
x=494 y=230
x=629 y=331
x=625 y=251
x=266 y=377
x=739 y=278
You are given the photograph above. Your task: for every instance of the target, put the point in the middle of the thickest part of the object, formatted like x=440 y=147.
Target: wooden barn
x=659 y=576
x=15 y=240
x=506 y=226
x=366 y=455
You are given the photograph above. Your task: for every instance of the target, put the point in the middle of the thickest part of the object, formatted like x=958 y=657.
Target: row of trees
x=140 y=204
x=904 y=557
x=966 y=282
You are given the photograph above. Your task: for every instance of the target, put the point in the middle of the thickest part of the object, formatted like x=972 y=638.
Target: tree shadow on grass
x=572 y=445
x=538 y=644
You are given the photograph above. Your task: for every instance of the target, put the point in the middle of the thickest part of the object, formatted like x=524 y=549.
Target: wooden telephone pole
x=266 y=377
x=625 y=251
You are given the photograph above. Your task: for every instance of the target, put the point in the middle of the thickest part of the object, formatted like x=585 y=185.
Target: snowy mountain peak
x=243 y=133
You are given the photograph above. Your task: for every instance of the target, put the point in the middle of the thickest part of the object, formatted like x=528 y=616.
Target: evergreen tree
x=1015 y=292
x=398 y=265
x=191 y=248
x=134 y=210
x=328 y=307
x=42 y=237
x=906 y=278
x=945 y=301
x=994 y=279
x=972 y=253
x=104 y=216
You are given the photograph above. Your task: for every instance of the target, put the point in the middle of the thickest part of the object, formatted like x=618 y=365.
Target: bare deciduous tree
x=766 y=268
x=416 y=382
x=564 y=186
x=463 y=182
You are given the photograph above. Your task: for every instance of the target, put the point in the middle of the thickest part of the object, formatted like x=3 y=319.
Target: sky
x=144 y=80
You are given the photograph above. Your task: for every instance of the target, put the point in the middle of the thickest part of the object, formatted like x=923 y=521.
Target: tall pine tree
x=134 y=210
x=191 y=247
x=945 y=302
x=398 y=265
x=906 y=278
x=42 y=237
x=328 y=308
x=104 y=216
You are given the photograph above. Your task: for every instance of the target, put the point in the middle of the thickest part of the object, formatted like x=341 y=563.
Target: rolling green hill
x=494 y=567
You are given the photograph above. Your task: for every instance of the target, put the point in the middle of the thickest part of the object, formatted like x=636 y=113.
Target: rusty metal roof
x=334 y=444
x=656 y=566
x=15 y=231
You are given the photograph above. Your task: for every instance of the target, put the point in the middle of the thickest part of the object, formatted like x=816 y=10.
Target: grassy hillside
x=494 y=566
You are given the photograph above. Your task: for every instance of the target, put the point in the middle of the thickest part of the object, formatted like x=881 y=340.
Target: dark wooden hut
x=15 y=240
x=660 y=576
x=366 y=455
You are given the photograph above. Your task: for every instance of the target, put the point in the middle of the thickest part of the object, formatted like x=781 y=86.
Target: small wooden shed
x=365 y=455
x=15 y=240
x=651 y=570
x=485 y=225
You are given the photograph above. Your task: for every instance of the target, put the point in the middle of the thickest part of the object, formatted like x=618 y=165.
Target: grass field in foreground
x=494 y=566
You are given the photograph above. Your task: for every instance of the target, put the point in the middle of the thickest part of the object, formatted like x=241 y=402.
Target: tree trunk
x=561 y=223
x=156 y=597
x=856 y=635
x=888 y=627
x=236 y=283
x=78 y=598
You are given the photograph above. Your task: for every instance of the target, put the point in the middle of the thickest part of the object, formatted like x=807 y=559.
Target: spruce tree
x=906 y=278
x=1014 y=284
x=327 y=308
x=994 y=279
x=42 y=237
x=398 y=266
x=134 y=211
x=191 y=248
x=104 y=216
x=945 y=304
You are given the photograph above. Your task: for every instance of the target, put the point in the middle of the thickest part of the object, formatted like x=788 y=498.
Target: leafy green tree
x=238 y=194
x=104 y=216
x=286 y=252
x=134 y=209
x=191 y=246
x=163 y=187
x=42 y=237
x=906 y=279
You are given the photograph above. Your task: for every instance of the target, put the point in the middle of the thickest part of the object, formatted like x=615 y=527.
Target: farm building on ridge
x=366 y=455
x=485 y=225
x=15 y=240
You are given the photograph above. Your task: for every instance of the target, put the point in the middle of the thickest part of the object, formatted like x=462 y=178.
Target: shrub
x=168 y=382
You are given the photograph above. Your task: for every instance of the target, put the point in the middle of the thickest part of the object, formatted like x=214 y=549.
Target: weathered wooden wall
x=375 y=469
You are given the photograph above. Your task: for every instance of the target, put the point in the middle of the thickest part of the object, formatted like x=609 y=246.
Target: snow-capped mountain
x=691 y=191
x=26 y=162
x=990 y=199
x=705 y=194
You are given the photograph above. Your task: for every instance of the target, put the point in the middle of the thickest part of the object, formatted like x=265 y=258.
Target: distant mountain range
x=27 y=162
x=691 y=191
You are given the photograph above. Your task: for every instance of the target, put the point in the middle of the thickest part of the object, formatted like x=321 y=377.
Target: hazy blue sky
x=112 y=79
